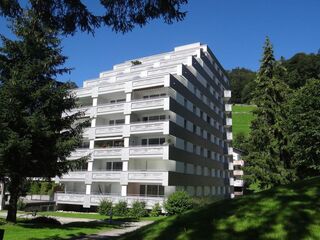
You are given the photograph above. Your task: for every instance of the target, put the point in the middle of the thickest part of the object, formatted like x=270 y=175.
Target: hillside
x=241 y=118
x=286 y=212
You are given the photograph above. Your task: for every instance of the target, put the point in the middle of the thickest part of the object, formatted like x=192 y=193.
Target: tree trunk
x=14 y=190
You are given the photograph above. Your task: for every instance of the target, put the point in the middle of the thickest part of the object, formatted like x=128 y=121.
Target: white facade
x=238 y=164
x=158 y=124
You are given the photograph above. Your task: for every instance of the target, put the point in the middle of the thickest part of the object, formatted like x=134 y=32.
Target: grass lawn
x=287 y=212
x=241 y=118
x=27 y=231
x=31 y=231
x=92 y=216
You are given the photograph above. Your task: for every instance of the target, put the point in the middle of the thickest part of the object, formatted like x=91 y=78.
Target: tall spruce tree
x=34 y=137
x=267 y=162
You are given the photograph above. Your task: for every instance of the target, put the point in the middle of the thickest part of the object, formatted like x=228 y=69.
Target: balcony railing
x=238 y=172
x=227 y=95
x=238 y=162
x=228 y=107
x=229 y=136
x=95 y=199
x=238 y=183
x=228 y=122
x=133 y=128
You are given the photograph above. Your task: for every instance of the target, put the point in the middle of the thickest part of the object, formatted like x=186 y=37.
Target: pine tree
x=34 y=137
x=267 y=162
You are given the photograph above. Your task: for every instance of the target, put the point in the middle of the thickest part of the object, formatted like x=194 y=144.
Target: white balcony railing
x=74 y=176
x=133 y=128
x=238 y=172
x=162 y=103
x=150 y=127
x=228 y=107
x=110 y=108
x=228 y=122
x=132 y=152
x=79 y=153
x=109 y=130
x=87 y=111
x=106 y=176
x=147 y=177
x=229 y=136
x=238 y=183
x=94 y=200
x=227 y=94
x=238 y=162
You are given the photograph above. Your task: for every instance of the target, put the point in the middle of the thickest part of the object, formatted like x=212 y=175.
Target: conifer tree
x=267 y=160
x=35 y=139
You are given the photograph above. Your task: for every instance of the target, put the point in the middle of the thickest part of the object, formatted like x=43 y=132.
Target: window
x=152 y=141
x=114 y=166
x=151 y=190
x=116 y=122
x=118 y=100
x=154 y=118
x=154 y=95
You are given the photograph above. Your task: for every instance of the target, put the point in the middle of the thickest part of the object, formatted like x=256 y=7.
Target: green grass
x=286 y=212
x=30 y=231
x=96 y=216
x=241 y=118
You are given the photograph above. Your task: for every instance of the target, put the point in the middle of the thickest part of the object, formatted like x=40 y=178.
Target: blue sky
x=234 y=30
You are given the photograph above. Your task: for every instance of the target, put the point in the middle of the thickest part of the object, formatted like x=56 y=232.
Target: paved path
x=114 y=233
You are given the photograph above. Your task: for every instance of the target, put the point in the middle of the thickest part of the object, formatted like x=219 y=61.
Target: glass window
x=142 y=189
x=162 y=140
x=154 y=141
x=120 y=121
x=152 y=190
x=117 y=166
x=109 y=166
x=144 y=141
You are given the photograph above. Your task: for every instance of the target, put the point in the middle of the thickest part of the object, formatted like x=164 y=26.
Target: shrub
x=120 y=209
x=156 y=210
x=105 y=207
x=178 y=202
x=35 y=188
x=21 y=205
x=45 y=187
x=44 y=220
x=138 y=210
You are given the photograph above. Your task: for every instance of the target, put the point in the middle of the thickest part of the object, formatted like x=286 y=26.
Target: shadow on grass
x=287 y=212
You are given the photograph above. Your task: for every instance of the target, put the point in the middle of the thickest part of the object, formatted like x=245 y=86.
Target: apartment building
x=158 y=124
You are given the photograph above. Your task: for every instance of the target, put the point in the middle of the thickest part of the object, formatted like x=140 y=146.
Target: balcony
x=226 y=95
x=228 y=107
x=94 y=200
x=87 y=111
x=238 y=162
x=150 y=127
x=106 y=131
x=79 y=153
x=228 y=122
x=133 y=128
x=229 y=136
x=238 y=172
x=74 y=176
x=133 y=152
x=147 y=177
x=110 y=108
x=157 y=103
x=238 y=183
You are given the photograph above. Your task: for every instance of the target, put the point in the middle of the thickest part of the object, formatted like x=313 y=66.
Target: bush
x=44 y=220
x=21 y=205
x=105 y=207
x=138 y=210
x=156 y=210
x=120 y=209
x=34 y=188
x=45 y=187
x=178 y=202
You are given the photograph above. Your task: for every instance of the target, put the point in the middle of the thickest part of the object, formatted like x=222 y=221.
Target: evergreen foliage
x=105 y=207
x=156 y=210
x=138 y=210
x=302 y=126
x=120 y=209
x=120 y=15
x=35 y=139
x=178 y=202
x=268 y=162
